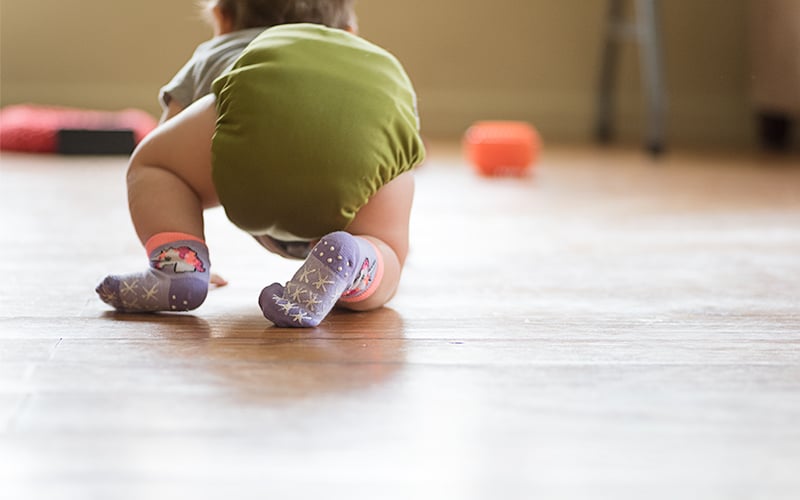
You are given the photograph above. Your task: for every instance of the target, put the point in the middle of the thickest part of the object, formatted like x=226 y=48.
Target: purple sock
x=176 y=281
x=330 y=269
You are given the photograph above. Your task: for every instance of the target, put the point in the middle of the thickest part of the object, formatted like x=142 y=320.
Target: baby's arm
x=170 y=110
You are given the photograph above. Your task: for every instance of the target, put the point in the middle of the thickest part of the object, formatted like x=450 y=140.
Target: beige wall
x=534 y=59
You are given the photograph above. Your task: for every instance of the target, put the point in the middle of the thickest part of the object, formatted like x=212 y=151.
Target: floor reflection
x=251 y=359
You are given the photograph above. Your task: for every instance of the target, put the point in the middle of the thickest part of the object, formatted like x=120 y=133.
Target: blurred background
x=537 y=60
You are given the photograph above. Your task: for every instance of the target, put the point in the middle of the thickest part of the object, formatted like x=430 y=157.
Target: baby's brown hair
x=265 y=13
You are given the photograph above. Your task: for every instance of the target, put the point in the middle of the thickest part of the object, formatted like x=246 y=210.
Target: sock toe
x=281 y=311
x=108 y=291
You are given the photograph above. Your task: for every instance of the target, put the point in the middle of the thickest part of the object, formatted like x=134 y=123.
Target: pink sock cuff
x=376 y=281
x=160 y=239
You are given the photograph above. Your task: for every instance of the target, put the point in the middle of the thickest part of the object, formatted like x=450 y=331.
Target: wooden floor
x=608 y=328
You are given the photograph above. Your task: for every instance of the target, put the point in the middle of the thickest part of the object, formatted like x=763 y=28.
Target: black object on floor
x=95 y=142
x=775 y=131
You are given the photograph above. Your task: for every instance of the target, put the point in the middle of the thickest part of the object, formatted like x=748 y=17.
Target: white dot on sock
x=330 y=260
x=333 y=248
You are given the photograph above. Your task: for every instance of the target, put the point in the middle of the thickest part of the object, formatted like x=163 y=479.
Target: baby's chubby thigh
x=182 y=146
x=386 y=215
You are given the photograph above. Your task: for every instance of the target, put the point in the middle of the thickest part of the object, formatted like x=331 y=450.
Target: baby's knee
x=385 y=292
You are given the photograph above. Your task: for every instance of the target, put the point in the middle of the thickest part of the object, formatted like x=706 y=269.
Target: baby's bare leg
x=169 y=177
x=169 y=185
x=360 y=269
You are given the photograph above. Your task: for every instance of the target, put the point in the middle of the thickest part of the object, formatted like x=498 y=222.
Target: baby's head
x=234 y=15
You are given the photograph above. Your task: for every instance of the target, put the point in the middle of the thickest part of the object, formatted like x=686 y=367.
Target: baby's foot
x=176 y=281
x=309 y=296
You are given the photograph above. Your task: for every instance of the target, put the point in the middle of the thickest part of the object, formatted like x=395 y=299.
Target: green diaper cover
x=312 y=121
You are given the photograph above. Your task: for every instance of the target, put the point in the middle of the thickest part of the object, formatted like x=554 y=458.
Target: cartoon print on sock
x=181 y=259
x=365 y=277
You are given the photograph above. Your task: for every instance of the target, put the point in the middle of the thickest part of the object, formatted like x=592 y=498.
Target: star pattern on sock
x=128 y=287
x=291 y=309
x=133 y=294
x=107 y=296
x=311 y=302
x=130 y=304
x=300 y=316
x=323 y=281
x=304 y=274
x=296 y=296
x=150 y=293
x=284 y=304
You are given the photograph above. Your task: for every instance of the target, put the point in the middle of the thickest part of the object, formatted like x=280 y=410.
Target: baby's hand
x=217 y=280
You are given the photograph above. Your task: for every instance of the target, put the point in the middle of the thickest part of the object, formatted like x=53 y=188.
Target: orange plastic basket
x=502 y=147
